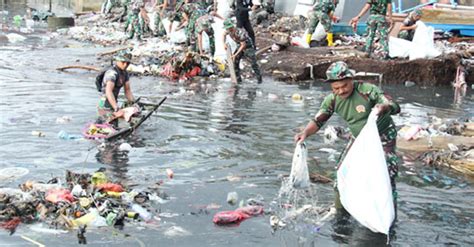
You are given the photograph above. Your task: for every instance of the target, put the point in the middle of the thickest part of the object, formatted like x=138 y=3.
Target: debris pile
x=84 y=200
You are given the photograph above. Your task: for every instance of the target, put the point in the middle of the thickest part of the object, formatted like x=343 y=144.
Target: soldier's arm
x=362 y=13
x=242 y=47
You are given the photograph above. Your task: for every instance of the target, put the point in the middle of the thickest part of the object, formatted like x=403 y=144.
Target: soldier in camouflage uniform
x=353 y=101
x=322 y=12
x=407 y=30
x=134 y=21
x=160 y=9
x=191 y=12
x=246 y=49
x=378 y=24
x=204 y=24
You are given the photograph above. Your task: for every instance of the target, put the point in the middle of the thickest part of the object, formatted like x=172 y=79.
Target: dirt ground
x=293 y=64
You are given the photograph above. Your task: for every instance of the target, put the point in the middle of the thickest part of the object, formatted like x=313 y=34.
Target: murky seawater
x=206 y=133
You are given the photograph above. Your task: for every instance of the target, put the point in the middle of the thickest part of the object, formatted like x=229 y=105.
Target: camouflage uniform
x=241 y=35
x=193 y=12
x=134 y=19
x=108 y=5
x=159 y=28
x=204 y=24
x=355 y=110
x=321 y=14
x=377 y=26
x=409 y=21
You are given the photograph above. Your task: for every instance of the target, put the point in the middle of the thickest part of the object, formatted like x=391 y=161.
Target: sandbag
x=364 y=183
x=424 y=41
x=299 y=175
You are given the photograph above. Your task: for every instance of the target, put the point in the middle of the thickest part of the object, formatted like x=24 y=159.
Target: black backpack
x=100 y=78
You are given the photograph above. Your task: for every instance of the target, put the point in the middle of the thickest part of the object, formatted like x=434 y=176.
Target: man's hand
x=300 y=137
x=381 y=109
x=335 y=19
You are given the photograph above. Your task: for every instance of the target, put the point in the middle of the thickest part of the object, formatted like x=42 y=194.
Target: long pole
x=50 y=6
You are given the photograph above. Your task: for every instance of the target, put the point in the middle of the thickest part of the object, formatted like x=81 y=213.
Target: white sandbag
x=175 y=36
x=399 y=47
x=423 y=41
x=364 y=183
x=299 y=175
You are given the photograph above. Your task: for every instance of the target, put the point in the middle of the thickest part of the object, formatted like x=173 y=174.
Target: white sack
x=364 y=183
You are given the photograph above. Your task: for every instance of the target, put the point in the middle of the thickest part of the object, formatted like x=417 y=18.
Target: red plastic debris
x=11 y=225
x=110 y=187
x=59 y=195
x=229 y=217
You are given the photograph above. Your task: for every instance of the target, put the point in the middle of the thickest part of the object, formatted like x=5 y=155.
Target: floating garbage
x=14 y=38
x=63 y=119
x=296 y=97
x=37 y=133
x=125 y=147
x=229 y=217
x=84 y=200
x=236 y=216
x=169 y=173
x=63 y=135
x=232 y=198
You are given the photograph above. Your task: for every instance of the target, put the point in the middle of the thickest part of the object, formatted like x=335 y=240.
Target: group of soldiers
x=379 y=23
x=138 y=23
x=196 y=18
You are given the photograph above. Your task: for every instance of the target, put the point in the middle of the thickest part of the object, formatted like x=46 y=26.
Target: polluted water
x=297 y=207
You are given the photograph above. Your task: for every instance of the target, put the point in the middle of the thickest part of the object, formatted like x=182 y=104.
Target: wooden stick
x=78 y=67
x=113 y=51
x=263 y=50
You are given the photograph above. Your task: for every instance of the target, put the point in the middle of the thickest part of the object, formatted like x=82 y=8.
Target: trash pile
x=84 y=200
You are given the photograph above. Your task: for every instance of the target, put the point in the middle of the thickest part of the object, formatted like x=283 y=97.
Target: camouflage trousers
x=212 y=41
x=316 y=18
x=248 y=53
x=377 y=26
x=135 y=24
x=389 y=143
x=406 y=34
x=159 y=28
x=108 y=5
x=191 y=29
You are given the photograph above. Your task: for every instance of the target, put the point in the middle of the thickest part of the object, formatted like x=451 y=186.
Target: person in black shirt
x=242 y=8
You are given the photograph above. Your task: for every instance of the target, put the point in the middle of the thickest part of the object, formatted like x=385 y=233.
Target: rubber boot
x=308 y=38
x=330 y=40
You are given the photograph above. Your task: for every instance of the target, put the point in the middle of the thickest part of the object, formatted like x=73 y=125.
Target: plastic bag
x=364 y=183
x=59 y=195
x=299 y=176
x=229 y=217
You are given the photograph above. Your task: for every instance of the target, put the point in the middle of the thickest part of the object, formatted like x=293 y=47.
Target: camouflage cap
x=417 y=12
x=123 y=56
x=338 y=71
x=228 y=23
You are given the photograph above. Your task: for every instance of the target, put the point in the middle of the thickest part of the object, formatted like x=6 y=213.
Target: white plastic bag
x=364 y=183
x=424 y=42
x=299 y=175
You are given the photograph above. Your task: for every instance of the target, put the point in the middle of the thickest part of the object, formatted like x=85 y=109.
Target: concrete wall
x=67 y=6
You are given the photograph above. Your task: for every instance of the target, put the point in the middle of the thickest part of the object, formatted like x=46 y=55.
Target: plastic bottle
x=143 y=213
